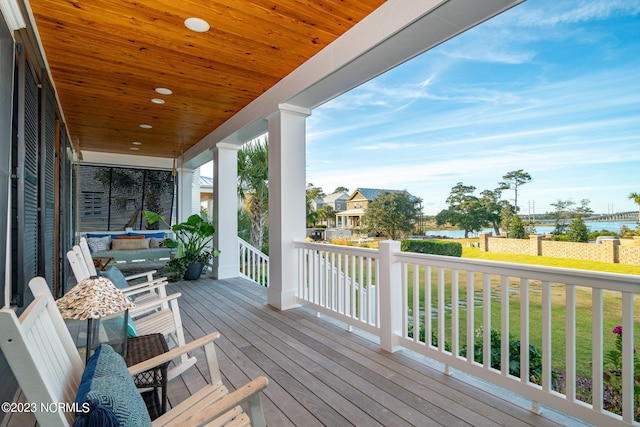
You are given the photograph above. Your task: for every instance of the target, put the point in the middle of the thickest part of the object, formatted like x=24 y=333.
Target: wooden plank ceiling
x=107 y=57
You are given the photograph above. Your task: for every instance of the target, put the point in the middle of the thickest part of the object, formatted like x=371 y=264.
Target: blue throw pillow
x=117 y=278
x=107 y=394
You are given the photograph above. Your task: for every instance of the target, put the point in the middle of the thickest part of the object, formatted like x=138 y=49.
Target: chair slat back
x=42 y=355
x=88 y=259
x=78 y=265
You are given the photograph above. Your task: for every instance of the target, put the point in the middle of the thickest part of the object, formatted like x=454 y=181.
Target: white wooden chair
x=82 y=266
x=155 y=311
x=46 y=363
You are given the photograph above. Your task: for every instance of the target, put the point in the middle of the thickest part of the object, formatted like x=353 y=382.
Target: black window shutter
x=25 y=238
x=47 y=256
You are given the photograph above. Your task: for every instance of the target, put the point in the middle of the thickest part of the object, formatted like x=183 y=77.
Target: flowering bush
x=612 y=375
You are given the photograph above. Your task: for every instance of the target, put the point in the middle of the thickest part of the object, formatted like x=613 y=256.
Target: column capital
x=294 y=109
x=226 y=146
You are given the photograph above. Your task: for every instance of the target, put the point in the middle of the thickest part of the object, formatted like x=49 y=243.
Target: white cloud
x=573 y=12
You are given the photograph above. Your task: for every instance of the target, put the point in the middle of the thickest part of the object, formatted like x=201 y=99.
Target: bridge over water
x=619 y=216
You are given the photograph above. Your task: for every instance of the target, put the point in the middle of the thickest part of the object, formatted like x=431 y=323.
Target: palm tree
x=328 y=214
x=253 y=188
x=636 y=198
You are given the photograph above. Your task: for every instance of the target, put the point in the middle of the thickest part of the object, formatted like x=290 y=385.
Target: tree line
x=472 y=213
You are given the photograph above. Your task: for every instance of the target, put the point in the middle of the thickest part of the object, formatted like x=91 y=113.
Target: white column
x=225 y=214
x=390 y=295
x=185 y=194
x=287 y=211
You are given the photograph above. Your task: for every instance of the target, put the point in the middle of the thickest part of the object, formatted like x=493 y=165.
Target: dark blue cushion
x=109 y=392
x=149 y=235
x=98 y=235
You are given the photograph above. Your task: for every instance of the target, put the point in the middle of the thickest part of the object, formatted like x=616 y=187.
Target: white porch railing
x=341 y=282
x=254 y=265
x=456 y=298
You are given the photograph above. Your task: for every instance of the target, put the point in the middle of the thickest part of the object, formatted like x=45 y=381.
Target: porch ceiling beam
x=396 y=32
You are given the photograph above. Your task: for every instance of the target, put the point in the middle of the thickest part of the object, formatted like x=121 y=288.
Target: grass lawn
x=611 y=306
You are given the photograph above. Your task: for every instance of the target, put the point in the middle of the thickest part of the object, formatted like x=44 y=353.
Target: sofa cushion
x=108 y=392
x=98 y=244
x=155 y=242
x=129 y=244
x=131 y=237
x=149 y=235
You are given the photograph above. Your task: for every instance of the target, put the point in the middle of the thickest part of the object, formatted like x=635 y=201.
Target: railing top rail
x=594 y=279
x=340 y=249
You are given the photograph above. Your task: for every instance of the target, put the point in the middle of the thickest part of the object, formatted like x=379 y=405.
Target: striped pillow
x=99 y=244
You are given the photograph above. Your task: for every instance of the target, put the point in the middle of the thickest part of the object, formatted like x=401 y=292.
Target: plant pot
x=194 y=270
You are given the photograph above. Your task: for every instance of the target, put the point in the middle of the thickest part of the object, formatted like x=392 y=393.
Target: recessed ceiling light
x=196 y=24
x=164 y=91
x=134 y=148
x=143 y=126
x=157 y=101
x=137 y=143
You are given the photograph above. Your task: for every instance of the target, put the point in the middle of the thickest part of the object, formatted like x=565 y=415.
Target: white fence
x=456 y=299
x=254 y=265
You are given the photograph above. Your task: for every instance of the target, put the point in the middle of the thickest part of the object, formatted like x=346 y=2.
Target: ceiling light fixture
x=137 y=143
x=196 y=24
x=157 y=101
x=134 y=148
x=163 y=91
x=143 y=126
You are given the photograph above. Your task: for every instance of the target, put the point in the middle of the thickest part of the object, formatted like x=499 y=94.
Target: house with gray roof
x=357 y=205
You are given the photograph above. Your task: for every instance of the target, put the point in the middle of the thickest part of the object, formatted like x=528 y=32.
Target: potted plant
x=192 y=242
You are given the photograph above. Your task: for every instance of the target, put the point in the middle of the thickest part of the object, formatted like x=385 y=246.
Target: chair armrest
x=142 y=308
x=149 y=275
x=174 y=353
x=199 y=416
x=141 y=287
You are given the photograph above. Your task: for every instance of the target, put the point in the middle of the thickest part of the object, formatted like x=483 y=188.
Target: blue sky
x=551 y=87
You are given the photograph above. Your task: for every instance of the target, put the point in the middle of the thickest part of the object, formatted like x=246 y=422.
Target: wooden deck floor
x=322 y=374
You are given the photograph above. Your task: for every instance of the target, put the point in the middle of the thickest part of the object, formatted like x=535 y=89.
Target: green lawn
x=611 y=306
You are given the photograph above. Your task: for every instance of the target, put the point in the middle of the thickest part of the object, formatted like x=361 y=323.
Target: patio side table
x=143 y=348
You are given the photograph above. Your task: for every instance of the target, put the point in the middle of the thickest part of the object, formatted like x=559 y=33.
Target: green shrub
x=595 y=234
x=535 y=357
x=422 y=334
x=517 y=231
x=432 y=247
x=578 y=231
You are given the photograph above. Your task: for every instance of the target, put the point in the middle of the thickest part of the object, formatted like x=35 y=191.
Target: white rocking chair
x=155 y=311
x=48 y=367
x=83 y=267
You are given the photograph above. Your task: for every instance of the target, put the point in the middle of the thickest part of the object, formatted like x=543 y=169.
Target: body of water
x=541 y=229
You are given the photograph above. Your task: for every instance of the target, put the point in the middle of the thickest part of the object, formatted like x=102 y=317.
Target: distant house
x=338 y=201
x=357 y=205
x=317 y=203
x=206 y=193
